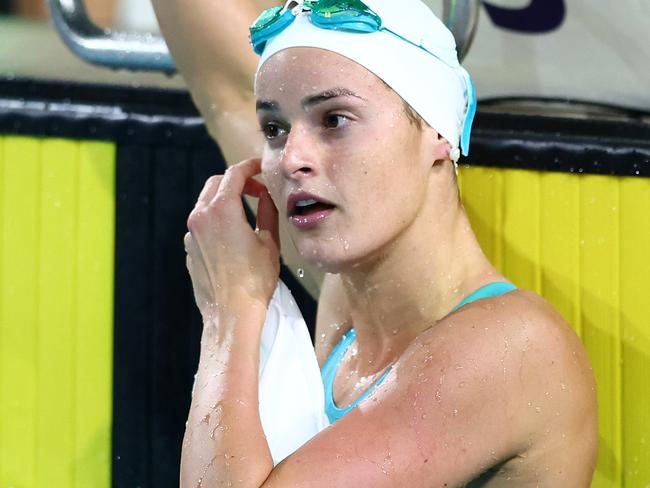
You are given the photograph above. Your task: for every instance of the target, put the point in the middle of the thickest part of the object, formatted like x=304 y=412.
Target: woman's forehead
x=306 y=68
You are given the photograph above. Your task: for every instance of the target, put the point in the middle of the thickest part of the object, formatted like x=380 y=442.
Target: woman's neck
x=414 y=284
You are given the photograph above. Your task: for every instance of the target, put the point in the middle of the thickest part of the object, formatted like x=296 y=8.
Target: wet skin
x=501 y=385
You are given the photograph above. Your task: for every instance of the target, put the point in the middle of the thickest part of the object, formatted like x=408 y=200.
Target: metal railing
x=148 y=52
x=112 y=49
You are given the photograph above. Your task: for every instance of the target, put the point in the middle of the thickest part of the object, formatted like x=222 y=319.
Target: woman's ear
x=441 y=148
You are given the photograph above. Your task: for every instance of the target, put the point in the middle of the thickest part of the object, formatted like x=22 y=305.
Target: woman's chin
x=329 y=260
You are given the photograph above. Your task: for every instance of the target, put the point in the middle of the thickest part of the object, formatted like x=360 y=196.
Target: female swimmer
x=453 y=376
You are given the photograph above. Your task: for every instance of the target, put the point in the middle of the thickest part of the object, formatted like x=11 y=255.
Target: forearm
x=208 y=38
x=224 y=443
x=209 y=43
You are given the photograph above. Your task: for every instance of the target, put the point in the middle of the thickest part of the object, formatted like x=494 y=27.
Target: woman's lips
x=306 y=210
x=310 y=220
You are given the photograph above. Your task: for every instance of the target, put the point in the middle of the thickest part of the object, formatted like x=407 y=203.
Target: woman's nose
x=298 y=155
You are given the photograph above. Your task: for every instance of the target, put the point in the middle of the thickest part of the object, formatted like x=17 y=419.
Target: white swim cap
x=429 y=77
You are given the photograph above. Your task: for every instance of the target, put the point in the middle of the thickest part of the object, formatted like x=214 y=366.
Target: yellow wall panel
x=559 y=244
x=635 y=327
x=57 y=234
x=521 y=228
x=94 y=315
x=483 y=188
x=56 y=289
x=19 y=309
x=600 y=311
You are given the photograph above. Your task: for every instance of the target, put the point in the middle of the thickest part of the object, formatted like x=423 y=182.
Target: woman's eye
x=332 y=121
x=272 y=131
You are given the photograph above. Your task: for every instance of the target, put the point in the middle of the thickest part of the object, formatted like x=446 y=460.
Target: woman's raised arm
x=209 y=43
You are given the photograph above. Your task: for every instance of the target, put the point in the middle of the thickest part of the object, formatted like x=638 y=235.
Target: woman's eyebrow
x=267 y=106
x=311 y=100
x=321 y=97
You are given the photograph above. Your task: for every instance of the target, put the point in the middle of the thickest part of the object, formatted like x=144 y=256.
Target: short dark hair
x=413 y=116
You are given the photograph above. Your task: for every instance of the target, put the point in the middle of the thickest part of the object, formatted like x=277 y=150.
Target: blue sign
x=538 y=17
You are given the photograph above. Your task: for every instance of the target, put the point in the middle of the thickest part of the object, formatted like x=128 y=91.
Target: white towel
x=292 y=400
x=291 y=395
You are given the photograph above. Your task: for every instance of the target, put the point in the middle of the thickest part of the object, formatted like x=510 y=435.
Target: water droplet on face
x=301 y=273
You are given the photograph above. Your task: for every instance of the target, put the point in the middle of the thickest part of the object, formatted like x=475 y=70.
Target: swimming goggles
x=342 y=15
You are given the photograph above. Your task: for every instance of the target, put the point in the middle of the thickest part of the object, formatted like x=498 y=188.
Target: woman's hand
x=232 y=266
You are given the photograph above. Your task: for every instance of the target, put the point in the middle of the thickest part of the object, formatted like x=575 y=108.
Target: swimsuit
x=332 y=364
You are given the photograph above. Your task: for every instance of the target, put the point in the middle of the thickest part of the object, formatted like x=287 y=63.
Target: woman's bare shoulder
x=520 y=339
x=518 y=365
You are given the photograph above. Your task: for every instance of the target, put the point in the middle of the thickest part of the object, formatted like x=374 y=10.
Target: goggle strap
x=469 y=116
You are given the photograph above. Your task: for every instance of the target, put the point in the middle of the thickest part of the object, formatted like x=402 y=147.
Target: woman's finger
x=233 y=183
x=209 y=189
x=254 y=188
x=267 y=217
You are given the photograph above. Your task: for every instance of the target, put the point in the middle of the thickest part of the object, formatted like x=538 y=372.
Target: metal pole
x=116 y=50
x=148 y=52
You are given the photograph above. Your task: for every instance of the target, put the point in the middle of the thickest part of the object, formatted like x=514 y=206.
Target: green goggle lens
x=334 y=7
x=346 y=15
x=345 y=11
x=266 y=19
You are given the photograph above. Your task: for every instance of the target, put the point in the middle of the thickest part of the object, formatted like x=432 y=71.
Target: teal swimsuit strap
x=330 y=367
x=329 y=372
x=487 y=291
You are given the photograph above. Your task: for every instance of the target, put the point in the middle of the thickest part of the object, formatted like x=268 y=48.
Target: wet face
x=347 y=170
